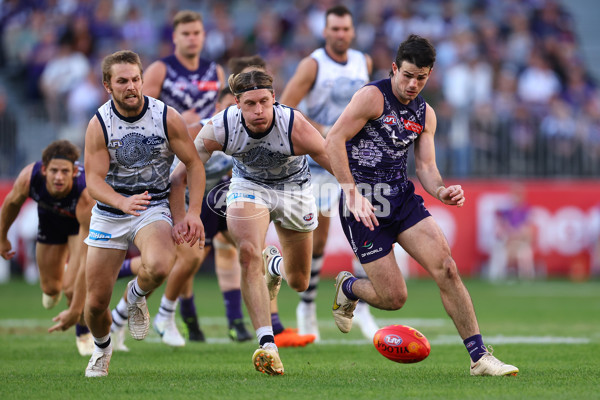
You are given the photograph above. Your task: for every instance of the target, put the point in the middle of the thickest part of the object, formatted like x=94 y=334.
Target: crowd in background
x=512 y=94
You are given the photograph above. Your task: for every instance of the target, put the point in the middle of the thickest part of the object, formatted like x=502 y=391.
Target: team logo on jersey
x=308 y=217
x=367 y=153
x=412 y=126
x=134 y=152
x=390 y=120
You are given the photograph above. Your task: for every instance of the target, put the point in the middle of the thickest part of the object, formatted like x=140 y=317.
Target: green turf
x=522 y=318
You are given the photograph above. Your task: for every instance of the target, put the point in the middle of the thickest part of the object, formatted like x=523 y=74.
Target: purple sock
x=125 y=269
x=475 y=347
x=187 y=308
x=81 y=330
x=347 y=288
x=233 y=304
x=277 y=325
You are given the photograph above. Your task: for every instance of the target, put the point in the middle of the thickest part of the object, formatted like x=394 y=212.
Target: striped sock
x=310 y=294
x=274 y=265
x=119 y=316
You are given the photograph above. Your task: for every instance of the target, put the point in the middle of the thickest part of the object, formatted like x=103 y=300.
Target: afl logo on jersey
x=390 y=120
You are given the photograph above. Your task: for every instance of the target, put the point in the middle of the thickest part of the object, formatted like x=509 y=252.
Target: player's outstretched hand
x=6 y=250
x=133 y=204
x=362 y=209
x=64 y=320
x=190 y=230
x=453 y=195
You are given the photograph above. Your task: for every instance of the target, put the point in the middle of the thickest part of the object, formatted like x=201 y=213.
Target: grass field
x=550 y=330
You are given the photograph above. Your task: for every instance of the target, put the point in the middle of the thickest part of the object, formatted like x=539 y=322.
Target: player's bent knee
x=298 y=283
x=248 y=251
x=96 y=306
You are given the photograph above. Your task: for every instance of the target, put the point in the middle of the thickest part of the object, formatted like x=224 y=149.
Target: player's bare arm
x=300 y=83
x=154 y=76
x=366 y=104
x=96 y=163
x=182 y=145
x=307 y=140
x=426 y=167
x=13 y=202
x=204 y=143
x=298 y=87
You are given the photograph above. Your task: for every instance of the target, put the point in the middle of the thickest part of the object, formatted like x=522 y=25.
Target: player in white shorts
x=322 y=87
x=129 y=148
x=270 y=180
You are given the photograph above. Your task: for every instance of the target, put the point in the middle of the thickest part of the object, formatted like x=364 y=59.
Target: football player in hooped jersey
x=326 y=81
x=368 y=147
x=57 y=184
x=270 y=181
x=130 y=145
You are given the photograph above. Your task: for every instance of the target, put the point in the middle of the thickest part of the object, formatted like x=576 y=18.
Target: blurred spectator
x=62 y=73
x=8 y=139
x=538 y=83
x=527 y=51
x=558 y=132
x=515 y=235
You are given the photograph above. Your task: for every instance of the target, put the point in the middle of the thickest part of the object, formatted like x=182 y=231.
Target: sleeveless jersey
x=46 y=203
x=379 y=151
x=185 y=90
x=140 y=155
x=334 y=85
x=267 y=158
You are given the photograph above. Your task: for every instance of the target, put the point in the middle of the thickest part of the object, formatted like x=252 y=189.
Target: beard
x=130 y=107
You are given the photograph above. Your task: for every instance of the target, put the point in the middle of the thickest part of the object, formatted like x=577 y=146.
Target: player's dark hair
x=185 y=17
x=223 y=92
x=416 y=50
x=62 y=149
x=339 y=10
x=237 y=64
x=251 y=80
x=120 y=57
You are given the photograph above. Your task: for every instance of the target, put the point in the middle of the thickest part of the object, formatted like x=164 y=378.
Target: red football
x=401 y=343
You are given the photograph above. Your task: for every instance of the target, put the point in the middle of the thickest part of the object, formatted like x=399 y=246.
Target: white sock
x=264 y=331
x=119 y=315
x=167 y=308
x=135 y=292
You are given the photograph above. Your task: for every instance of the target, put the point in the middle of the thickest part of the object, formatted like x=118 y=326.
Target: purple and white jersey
x=378 y=153
x=48 y=204
x=185 y=90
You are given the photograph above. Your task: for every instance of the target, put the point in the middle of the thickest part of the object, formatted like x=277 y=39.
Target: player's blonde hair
x=186 y=16
x=250 y=80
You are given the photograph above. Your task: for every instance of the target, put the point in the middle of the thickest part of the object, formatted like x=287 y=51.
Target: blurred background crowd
x=513 y=92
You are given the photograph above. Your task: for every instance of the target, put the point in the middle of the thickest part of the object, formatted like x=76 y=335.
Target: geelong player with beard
x=129 y=149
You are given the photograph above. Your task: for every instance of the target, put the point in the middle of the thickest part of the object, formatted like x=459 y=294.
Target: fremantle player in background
x=57 y=184
x=368 y=147
x=326 y=81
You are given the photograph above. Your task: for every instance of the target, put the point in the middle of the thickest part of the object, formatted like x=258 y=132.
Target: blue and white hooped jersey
x=267 y=158
x=334 y=85
x=185 y=90
x=140 y=155
x=378 y=153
